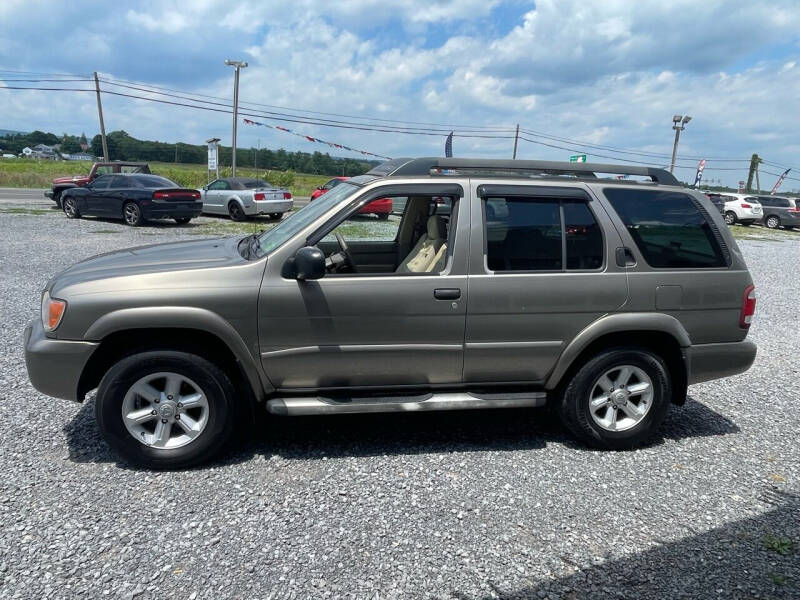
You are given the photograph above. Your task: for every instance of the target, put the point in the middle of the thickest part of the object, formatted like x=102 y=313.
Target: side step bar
x=320 y=405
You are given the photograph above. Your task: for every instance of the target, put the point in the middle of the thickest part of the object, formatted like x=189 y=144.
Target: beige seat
x=430 y=251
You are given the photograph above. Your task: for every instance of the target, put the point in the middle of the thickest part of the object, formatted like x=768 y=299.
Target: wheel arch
x=660 y=333
x=190 y=329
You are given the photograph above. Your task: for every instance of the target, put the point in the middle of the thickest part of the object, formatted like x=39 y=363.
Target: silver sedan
x=243 y=197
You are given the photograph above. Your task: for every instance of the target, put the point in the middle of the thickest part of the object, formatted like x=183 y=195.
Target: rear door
x=542 y=267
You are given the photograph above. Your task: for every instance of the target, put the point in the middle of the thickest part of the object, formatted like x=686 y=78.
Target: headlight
x=52 y=311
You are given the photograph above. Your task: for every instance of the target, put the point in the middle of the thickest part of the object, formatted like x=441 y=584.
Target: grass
x=29 y=173
x=25 y=211
x=780 y=545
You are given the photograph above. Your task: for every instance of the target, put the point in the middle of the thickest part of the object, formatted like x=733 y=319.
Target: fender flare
x=183 y=317
x=616 y=323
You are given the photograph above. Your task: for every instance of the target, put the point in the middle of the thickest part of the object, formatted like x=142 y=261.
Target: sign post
x=577 y=158
x=213 y=162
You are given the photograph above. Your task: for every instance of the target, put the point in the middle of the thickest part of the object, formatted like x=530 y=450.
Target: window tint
x=523 y=234
x=218 y=185
x=584 y=238
x=101 y=183
x=529 y=234
x=119 y=182
x=667 y=227
x=154 y=181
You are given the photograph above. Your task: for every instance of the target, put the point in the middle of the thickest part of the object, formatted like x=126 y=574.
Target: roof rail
x=433 y=166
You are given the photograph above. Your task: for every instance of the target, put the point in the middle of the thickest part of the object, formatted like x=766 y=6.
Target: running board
x=321 y=405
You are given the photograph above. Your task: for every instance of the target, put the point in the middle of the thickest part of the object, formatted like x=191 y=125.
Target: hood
x=71 y=179
x=158 y=258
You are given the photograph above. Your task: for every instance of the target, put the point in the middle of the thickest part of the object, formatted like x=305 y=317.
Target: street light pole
x=237 y=64
x=678 y=124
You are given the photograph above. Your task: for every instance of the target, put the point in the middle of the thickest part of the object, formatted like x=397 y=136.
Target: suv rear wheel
x=617 y=399
x=165 y=409
x=730 y=218
x=772 y=222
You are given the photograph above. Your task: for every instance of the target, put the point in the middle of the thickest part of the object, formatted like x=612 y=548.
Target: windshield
x=279 y=234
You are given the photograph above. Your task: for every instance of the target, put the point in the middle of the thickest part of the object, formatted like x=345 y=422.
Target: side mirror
x=205 y=188
x=309 y=263
x=319 y=187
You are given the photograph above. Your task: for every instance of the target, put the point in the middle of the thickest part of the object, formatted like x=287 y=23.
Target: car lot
x=469 y=505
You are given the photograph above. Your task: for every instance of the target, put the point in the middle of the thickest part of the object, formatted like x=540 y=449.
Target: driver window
x=217 y=185
x=392 y=235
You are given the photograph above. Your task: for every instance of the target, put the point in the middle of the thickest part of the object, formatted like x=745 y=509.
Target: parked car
x=719 y=200
x=602 y=298
x=243 y=197
x=60 y=184
x=381 y=207
x=134 y=198
x=743 y=209
x=780 y=211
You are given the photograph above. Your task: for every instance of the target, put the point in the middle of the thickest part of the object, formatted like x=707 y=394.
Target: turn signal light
x=52 y=311
x=748 y=307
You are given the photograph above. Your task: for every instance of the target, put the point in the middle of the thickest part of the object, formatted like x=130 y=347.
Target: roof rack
x=441 y=166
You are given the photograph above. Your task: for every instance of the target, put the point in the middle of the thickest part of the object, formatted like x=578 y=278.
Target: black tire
x=182 y=220
x=71 y=208
x=276 y=216
x=383 y=216
x=214 y=383
x=730 y=217
x=236 y=212
x=772 y=222
x=132 y=214
x=574 y=404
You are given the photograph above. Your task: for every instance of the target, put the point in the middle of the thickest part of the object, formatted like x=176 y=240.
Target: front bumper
x=266 y=207
x=705 y=362
x=49 y=194
x=55 y=366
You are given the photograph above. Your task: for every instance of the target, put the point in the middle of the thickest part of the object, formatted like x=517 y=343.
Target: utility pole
x=754 y=162
x=237 y=64
x=678 y=124
x=176 y=153
x=100 y=112
x=516 y=139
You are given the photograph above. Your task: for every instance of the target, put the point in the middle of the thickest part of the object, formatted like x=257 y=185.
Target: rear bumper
x=265 y=207
x=172 y=210
x=55 y=366
x=705 y=362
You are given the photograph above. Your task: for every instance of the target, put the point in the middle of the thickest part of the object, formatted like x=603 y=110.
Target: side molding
x=186 y=317
x=616 y=323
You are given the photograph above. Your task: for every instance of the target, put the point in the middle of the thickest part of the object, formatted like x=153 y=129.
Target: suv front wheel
x=165 y=409
x=617 y=399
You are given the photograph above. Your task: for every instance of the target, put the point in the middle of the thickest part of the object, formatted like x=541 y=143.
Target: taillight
x=748 y=306
x=794 y=210
x=195 y=195
x=745 y=205
x=287 y=195
x=160 y=195
x=258 y=196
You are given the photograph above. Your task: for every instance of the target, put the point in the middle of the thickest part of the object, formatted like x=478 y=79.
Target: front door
x=542 y=267
x=386 y=325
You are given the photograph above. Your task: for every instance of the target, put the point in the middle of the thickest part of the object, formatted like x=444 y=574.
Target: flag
x=448 y=146
x=780 y=181
x=700 y=166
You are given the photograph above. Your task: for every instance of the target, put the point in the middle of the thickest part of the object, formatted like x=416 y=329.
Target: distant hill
x=9 y=132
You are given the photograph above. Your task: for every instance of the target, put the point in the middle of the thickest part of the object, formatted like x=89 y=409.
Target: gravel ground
x=460 y=505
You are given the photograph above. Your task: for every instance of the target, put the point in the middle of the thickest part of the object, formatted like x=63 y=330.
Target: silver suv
x=501 y=284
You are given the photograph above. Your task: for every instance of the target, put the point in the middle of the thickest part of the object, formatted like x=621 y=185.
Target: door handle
x=625 y=257
x=447 y=293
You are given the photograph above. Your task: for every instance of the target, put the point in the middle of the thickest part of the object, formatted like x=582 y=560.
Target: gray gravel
x=467 y=506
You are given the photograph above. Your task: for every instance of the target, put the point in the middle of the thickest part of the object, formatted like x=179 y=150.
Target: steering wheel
x=348 y=258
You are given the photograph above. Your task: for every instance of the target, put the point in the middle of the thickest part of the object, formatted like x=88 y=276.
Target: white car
x=742 y=208
x=242 y=197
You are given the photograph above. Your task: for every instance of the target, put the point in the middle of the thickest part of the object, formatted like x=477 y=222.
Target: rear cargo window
x=668 y=228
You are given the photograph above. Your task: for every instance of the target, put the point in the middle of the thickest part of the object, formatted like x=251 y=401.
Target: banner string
x=314 y=139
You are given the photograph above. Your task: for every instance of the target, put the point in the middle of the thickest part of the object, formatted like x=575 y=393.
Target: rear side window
x=541 y=234
x=668 y=228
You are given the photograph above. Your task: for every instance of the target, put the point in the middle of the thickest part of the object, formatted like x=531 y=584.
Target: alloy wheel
x=621 y=398
x=165 y=410
x=772 y=222
x=70 y=208
x=131 y=214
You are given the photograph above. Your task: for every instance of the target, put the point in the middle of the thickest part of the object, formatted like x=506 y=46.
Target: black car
x=134 y=198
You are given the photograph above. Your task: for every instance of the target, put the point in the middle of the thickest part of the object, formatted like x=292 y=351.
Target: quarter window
x=541 y=234
x=667 y=227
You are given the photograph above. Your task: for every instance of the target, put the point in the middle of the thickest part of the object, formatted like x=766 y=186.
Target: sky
x=607 y=73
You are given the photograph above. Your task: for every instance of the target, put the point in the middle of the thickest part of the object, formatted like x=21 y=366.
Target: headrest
x=437 y=230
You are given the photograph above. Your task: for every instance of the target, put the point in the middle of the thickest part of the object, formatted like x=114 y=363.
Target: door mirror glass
x=309 y=263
